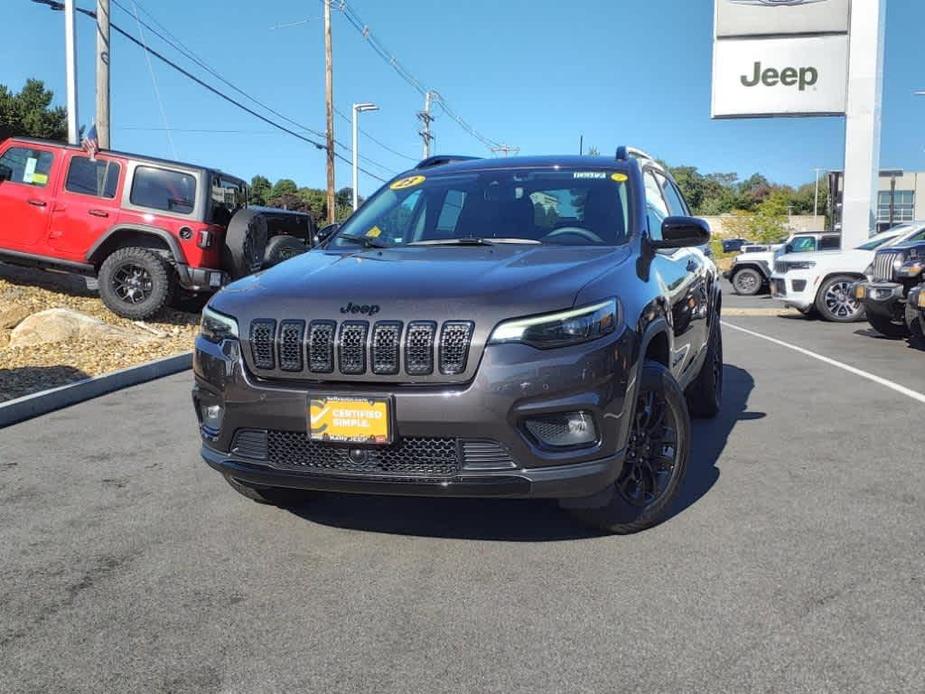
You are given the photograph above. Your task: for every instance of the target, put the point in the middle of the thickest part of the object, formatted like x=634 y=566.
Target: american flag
x=91 y=142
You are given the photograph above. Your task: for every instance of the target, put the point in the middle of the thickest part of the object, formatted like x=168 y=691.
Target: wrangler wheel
x=747 y=282
x=136 y=283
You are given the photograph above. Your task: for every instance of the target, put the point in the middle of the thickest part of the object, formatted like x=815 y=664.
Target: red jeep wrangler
x=148 y=229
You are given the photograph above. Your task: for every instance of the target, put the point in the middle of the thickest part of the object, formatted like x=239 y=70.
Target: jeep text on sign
x=793 y=76
x=777 y=17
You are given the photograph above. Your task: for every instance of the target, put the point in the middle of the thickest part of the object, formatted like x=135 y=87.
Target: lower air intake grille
x=411 y=457
x=262 y=334
x=454 y=346
x=250 y=443
x=486 y=455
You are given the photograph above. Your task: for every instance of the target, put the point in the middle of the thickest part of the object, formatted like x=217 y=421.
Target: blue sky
x=532 y=73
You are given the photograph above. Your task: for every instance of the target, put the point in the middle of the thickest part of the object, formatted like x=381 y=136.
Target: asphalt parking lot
x=794 y=562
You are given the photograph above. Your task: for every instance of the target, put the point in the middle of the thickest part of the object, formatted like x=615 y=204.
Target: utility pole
x=426 y=120
x=816 y=198
x=329 y=107
x=70 y=57
x=103 y=53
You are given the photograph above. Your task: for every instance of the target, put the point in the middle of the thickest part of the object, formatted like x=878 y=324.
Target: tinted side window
x=160 y=189
x=829 y=243
x=804 y=244
x=29 y=166
x=656 y=207
x=676 y=204
x=99 y=178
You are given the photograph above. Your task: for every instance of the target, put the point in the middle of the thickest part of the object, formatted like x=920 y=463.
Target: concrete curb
x=29 y=406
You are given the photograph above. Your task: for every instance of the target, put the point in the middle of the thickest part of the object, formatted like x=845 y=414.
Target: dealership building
x=900 y=196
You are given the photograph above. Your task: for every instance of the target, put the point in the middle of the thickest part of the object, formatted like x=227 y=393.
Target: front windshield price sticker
x=345 y=419
x=373 y=232
x=619 y=177
x=409 y=182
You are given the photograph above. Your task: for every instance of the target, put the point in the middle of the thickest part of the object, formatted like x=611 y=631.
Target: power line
x=174 y=42
x=56 y=5
x=157 y=91
x=373 y=139
x=379 y=48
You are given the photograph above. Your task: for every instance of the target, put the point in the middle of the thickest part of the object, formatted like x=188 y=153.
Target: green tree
x=261 y=190
x=284 y=186
x=30 y=112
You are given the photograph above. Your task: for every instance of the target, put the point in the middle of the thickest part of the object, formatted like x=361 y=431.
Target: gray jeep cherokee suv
x=522 y=327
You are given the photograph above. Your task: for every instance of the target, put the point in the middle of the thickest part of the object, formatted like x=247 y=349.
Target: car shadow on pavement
x=518 y=520
x=709 y=436
x=23 y=380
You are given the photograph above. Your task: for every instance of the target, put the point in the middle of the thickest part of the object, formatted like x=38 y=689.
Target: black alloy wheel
x=132 y=283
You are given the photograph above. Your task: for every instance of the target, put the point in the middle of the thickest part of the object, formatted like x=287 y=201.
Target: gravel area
x=27 y=370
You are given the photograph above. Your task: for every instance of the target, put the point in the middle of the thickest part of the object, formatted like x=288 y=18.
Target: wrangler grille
x=355 y=347
x=883 y=265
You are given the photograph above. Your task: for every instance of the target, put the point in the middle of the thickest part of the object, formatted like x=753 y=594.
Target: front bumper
x=795 y=288
x=883 y=298
x=916 y=298
x=512 y=383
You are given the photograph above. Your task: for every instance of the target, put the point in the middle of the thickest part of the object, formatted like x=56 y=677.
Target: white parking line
x=850 y=369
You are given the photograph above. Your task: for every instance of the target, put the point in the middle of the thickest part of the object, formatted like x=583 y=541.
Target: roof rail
x=624 y=152
x=441 y=159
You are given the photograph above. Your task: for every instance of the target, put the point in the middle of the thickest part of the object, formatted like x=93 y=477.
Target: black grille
x=290 y=344
x=419 y=348
x=454 y=346
x=386 y=347
x=351 y=347
x=410 y=457
x=250 y=443
x=262 y=334
x=486 y=455
x=321 y=346
x=883 y=265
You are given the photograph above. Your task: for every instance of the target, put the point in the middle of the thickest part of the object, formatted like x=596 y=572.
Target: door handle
x=98 y=213
x=35 y=202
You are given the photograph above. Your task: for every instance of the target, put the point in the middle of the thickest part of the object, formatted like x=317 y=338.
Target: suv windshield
x=543 y=205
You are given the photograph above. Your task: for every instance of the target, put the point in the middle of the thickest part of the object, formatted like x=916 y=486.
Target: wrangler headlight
x=801 y=265
x=216 y=327
x=562 y=328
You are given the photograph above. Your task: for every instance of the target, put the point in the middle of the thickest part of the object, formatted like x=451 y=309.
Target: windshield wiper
x=471 y=241
x=364 y=241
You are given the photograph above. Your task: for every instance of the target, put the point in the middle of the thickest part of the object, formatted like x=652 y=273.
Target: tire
x=809 y=311
x=705 y=394
x=885 y=326
x=836 y=304
x=271 y=496
x=747 y=282
x=136 y=283
x=280 y=248
x=915 y=322
x=624 y=507
x=245 y=243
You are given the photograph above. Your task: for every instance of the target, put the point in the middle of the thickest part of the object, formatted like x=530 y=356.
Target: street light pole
x=70 y=56
x=357 y=109
x=816 y=198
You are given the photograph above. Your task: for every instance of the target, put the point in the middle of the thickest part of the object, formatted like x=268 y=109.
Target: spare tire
x=245 y=243
x=281 y=248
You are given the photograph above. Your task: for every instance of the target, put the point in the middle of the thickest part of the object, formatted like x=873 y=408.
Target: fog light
x=563 y=430
x=212 y=417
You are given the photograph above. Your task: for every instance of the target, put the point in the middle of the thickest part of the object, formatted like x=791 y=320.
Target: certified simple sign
x=788 y=76
x=780 y=17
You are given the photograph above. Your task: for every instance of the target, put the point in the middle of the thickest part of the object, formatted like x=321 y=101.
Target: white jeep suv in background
x=751 y=270
x=821 y=281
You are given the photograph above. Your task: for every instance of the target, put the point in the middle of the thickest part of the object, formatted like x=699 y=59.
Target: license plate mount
x=350 y=419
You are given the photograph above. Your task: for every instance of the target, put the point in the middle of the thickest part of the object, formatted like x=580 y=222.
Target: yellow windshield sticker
x=409 y=182
x=619 y=177
x=374 y=232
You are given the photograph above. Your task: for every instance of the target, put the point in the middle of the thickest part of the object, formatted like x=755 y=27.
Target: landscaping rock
x=62 y=324
x=11 y=315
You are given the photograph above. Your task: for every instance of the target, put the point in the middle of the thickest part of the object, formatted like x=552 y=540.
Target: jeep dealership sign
x=790 y=76
x=780 y=58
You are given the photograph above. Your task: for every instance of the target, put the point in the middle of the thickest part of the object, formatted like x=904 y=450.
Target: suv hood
x=854 y=259
x=484 y=284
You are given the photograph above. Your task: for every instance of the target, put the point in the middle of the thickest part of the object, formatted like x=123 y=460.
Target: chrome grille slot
x=261 y=338
x=386 y=347
x=454 y=346
x=883 y=265
x=419 y=348
x=289 y=344
x=321 y=346
x=351 y=347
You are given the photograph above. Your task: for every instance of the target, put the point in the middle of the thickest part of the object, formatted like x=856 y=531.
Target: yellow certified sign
x=409 y=182
x=349 y=420
x=619 y=177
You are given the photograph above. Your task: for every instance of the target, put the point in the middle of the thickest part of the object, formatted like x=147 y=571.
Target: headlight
x=560 y=329
x=216 y=326
x=911 y=268
x=801 y=265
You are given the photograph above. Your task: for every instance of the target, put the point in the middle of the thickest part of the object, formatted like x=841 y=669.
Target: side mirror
x=682 y=232
x=6 y=173
x=324 y=233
